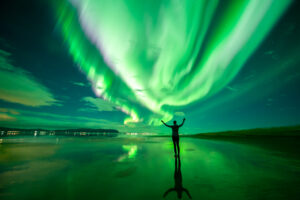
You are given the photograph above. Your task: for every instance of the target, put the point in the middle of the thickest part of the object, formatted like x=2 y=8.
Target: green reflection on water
x=90 y=168
x=131 y=152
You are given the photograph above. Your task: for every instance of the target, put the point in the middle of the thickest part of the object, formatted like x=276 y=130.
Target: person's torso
x=175 y=130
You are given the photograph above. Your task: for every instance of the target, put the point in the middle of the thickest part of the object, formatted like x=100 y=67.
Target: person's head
x=179 y=195
x=174 y=122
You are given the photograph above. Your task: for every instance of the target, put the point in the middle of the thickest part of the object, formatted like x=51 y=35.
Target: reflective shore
x=132 y=167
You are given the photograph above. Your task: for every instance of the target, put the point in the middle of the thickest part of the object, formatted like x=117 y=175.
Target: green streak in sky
x=152 y=58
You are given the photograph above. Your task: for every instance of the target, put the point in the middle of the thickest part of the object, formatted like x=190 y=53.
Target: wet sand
x=51 y=167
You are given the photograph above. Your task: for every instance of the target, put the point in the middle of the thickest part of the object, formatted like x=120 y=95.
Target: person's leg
x=177 y=143
x=174 y=144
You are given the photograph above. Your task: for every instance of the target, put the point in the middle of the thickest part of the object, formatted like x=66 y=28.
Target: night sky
x=127 y=64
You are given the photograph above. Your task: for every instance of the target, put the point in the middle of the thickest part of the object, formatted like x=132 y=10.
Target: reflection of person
x=175 y=135
x=178 y=181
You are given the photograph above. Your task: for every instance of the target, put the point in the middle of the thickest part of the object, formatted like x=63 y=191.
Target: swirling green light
x=151 y=57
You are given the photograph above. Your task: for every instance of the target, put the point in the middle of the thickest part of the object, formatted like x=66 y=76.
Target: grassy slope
x=259 y=132
x=279 y=140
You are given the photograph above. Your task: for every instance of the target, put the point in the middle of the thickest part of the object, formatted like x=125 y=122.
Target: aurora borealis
x=221 y=64
x=158 y=62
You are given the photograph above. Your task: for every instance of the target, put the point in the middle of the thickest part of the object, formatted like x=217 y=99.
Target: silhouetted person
x=175 y=136
x=178 y=181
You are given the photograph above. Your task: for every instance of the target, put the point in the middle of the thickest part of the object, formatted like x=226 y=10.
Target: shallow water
x=142 y=168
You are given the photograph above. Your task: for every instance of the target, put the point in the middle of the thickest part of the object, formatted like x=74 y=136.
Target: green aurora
x=223 y=65
x=154 y=58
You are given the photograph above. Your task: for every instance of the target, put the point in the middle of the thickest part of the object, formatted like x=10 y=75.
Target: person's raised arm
x=182 y=122
x=169 y=190
x=187 y=192
x=165 y=123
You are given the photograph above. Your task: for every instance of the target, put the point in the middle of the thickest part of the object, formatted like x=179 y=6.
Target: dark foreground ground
x=53 y=167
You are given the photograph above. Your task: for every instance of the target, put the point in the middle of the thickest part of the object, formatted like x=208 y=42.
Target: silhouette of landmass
x=4 y=131
x=258 y=132
x=277 y=139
